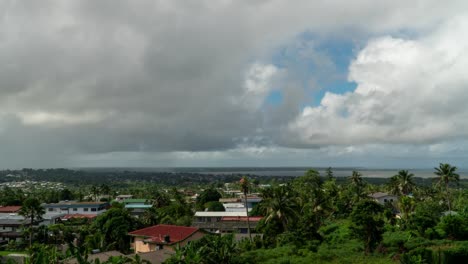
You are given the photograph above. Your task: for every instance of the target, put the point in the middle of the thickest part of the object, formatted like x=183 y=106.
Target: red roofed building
x=9 y=209
x=163 y=236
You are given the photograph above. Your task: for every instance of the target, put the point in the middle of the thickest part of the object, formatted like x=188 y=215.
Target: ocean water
x=374 y=173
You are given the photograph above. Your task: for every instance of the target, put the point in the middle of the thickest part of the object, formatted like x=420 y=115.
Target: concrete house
x=163 y=237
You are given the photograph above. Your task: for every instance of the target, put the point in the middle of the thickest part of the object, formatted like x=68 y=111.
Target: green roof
x=141 y=201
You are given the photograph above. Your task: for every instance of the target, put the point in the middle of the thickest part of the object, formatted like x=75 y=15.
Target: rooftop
x=9 y=209
x=378 y=195
x=75 y=204
x=143 y=201
x=156 y=233
x=219 y=214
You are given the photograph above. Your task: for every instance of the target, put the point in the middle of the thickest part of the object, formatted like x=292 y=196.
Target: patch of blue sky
x=274 y=98
x=318 y=64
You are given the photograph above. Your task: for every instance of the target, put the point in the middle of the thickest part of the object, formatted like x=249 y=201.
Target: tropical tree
x=160 y=199
x=105 y=189
x=32 y=210
x=114 y=225
x=357 y=185
x=244 y=183
x=150 y=217
x=211 y=249
x=367 y=218
x=402 y=183
x=406 y=205
x=329 y=173
x=95 y=191
x=446 y=174
x=208 y=195
x=279 y=203
x=314 y=202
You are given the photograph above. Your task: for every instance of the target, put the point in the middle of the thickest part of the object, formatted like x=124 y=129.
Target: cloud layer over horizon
x=180 y=83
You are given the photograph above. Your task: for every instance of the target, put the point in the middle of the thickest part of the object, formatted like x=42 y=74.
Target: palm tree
x=406 y=205
x=279 y=203
x=446 y=174
x=95 y=192
x=402 y=183
x=329 y=173
x=33 y=210
x=244 y=183
x=358 y=184
x=105 y=189
x=150 y=217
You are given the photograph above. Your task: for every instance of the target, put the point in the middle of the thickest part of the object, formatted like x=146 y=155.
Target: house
x=383 y=198
x=11 y=228
x=163 y=237
x=123 y=197
x=224 y=222
x=238 y=204
x=137 y=206
x=9 y=210
x=93 y=208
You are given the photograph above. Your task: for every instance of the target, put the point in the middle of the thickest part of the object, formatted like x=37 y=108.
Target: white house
x=383 y=198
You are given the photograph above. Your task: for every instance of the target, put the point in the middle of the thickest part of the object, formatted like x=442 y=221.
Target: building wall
x=389 y=198
x=141 y=247
x=69 y=210
x=197 y=235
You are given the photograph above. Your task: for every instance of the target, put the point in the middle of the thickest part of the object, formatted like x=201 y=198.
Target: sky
x=379 y=84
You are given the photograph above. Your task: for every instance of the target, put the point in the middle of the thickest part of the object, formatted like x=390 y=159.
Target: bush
x=453 y=227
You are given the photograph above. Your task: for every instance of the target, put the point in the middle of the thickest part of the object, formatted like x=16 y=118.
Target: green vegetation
x=309 y=219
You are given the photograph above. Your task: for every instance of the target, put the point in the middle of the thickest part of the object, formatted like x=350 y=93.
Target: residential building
x=383 y=198
x=224 y=222
x=238 y=204
x=11 y=228
x=123 y=197
x=137 y=206
x=93 y=208
x=9 y=210
x=163 y=237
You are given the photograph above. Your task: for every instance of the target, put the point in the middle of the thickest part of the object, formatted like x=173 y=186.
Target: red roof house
x=9 y=209
x=156 y=237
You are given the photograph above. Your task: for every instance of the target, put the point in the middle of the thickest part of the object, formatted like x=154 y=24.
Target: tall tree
x=367 y=217
x=114 y=225
x=357 y=186
x=95 y=191
x=105 y=189
x=329 y=173
x=402 y=183
x=447 y=174
x=33 y=210
x=279 y=203
x=244 y=183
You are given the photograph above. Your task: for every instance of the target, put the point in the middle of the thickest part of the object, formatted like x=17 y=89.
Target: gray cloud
x=84 y=78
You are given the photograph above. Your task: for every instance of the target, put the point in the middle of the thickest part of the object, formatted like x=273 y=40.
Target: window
x=85 y=209
x=385 y=200
x=51 y=209
x=93 y=209
x=75 y=209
